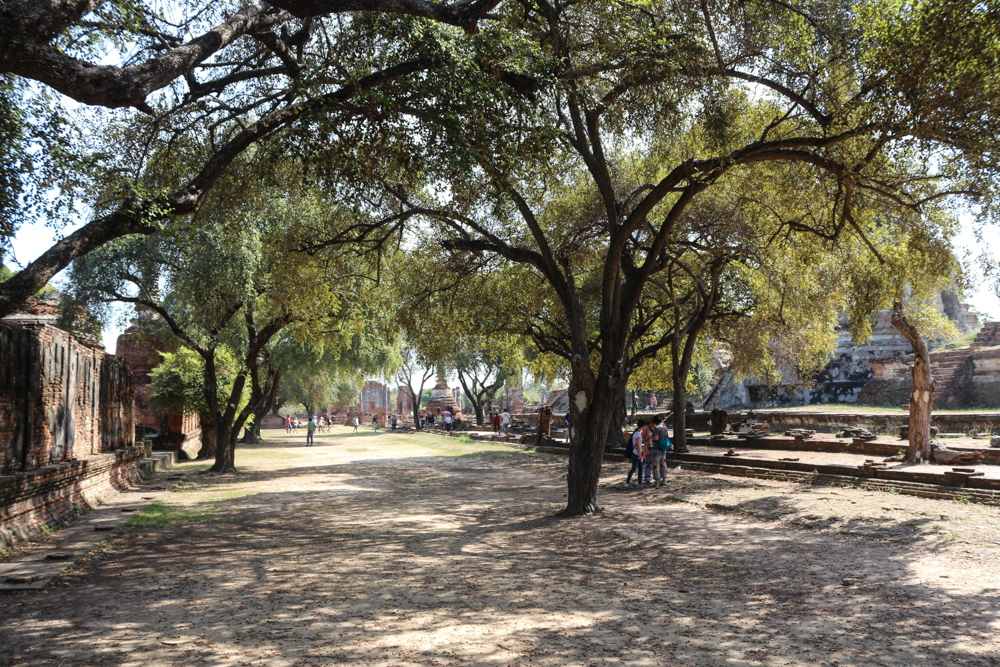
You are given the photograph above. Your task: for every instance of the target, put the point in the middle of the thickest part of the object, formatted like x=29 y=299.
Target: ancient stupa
x=442 y=397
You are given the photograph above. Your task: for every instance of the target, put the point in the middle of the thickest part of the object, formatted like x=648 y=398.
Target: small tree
x=482 y=374
x=414 y=372
x=177 y=385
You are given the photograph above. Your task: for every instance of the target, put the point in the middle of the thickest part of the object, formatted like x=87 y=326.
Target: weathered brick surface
x=140 y=347
x=969 y=376
x=66 y=427
x=60 y=398
x=33 y=500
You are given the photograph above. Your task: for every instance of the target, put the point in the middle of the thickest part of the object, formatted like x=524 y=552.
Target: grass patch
x=159 y=514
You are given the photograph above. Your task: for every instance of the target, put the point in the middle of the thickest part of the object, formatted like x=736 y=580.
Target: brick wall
x=33 y=500
x=60 y=398
x=66 y=427
x=985 y=388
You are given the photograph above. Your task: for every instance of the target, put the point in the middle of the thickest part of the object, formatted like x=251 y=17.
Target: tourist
x=288 y=425
x=375 y=422
x=652 y=402
x=430 y=421
x=496 y=422
x=394 y=418
x=505 y=421
x=310 y=430
x=569 y=436
x=295 y=425
x=447 y=421
x=355 y=423
x=658 y=452
x=635 y=448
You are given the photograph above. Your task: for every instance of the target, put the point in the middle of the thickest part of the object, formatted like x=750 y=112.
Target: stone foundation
x=35 y=500
x=826 y=422
x=967 y=376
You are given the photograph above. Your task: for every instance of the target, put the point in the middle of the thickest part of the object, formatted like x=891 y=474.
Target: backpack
x=662 y=440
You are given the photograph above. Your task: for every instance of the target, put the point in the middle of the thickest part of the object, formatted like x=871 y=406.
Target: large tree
x=651 y=107
x=227 y=75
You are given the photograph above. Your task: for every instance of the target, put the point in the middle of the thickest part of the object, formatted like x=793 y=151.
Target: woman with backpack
x=658 y=452
x=638 y=449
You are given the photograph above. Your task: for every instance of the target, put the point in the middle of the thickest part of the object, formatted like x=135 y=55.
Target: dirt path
x=409 y=550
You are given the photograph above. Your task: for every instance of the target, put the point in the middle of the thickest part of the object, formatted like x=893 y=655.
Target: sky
x=32 y=240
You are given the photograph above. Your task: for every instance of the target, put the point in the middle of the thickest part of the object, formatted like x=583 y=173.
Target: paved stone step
x=157 y=462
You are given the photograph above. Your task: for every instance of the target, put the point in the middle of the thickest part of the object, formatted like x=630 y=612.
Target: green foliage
x=177 y=383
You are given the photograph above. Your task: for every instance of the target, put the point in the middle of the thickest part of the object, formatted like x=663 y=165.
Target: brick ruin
x=373 y=402
x=178 y=432
x=404 y=403
x=66 y=425
x=871 y=373
x=966 y=376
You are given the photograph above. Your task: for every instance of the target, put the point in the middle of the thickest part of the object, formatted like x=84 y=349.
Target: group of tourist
x=648 y=447
x=501 y=420
x=444 y=420
x=319 y=423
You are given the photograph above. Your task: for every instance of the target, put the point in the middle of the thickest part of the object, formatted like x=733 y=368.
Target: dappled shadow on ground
x=448 y=561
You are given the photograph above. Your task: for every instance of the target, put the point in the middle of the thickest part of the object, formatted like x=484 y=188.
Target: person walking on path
x=355 y=423
x=505 y=421
x=394 y=422
x=635 y=452
x=310 y=431
x=652 y=402
x=496 y=422
x=447 y=422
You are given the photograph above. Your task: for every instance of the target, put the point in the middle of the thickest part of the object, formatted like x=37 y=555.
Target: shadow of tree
x=342 y=564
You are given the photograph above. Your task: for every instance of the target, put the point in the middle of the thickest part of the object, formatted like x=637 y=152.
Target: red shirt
x=496 y=420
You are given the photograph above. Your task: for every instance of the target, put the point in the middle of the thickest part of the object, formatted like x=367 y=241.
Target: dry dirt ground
x=414 y=550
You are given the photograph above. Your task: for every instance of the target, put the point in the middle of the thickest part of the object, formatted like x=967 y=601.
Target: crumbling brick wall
x=60 y=398
x=66 y=428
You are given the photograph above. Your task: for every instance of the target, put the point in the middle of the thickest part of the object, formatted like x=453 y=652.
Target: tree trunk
x=251 y=434
x=207 y=437
x=680 y=415
x=225 y=454
x=922 y=397
x=595 y=403
x=586 y=453
x=479 y=413
x=616 y=439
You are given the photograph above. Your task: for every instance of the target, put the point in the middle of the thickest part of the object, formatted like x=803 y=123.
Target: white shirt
x=505 y=417
x=636 y=442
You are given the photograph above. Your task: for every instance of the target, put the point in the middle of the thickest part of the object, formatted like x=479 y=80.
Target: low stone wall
x=855 y=446
x=953 y=422
x=41 y=498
